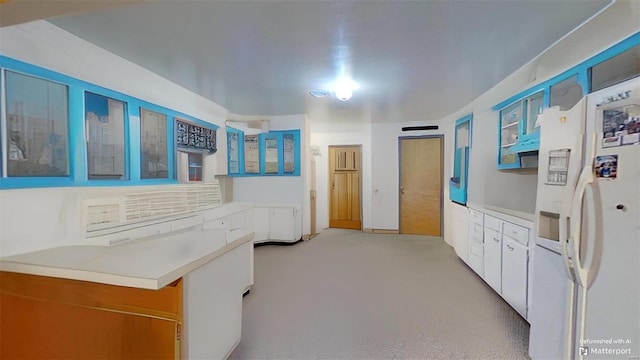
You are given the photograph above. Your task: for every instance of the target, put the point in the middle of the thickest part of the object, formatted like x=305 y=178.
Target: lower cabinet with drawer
x=515 y=263
x=499 y=253
x=493 y=259
x=476 y=241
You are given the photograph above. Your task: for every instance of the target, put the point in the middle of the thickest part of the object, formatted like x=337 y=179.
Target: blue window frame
x=235 y=153
x=459 y=181
x=79 y=172
x=285 y=144
x=106 y=135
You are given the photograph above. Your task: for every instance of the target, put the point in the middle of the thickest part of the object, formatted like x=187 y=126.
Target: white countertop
x=516 y=216
x=150 y=263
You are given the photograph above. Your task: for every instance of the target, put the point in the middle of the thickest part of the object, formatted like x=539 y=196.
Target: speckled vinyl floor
x=349 y=295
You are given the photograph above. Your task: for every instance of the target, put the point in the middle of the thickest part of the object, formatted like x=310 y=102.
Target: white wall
x=34 y=219
x=386 y=172
x=280 y=189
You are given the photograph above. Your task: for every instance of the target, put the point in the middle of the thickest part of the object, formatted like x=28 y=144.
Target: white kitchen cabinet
x=461 y=232
x=493 y=259
x=515 y=264
x=476 y=254
x=261 y=224
x=282 y=224
x=498 y=252
x=238 y=220
x=277 y=223
x=476 y=241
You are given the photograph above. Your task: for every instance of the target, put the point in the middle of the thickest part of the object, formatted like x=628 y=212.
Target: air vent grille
x=118 y=213
x=176 y=200
x=102 y=214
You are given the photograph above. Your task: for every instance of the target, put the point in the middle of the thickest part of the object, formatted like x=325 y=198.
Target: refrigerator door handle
x=595 y=215
x=586 y=178
x=568 y=264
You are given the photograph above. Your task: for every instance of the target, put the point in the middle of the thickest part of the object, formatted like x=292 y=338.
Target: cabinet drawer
x=492 y=236
x=516 y=232
x=476 y=229
x=493 y=223
x=476 y=216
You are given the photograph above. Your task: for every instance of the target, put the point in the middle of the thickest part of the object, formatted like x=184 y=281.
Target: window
x=189 y=166
x=566 y=93
x=153 y=143
x=105 y=124
x=617 y=69
x=37 y=120
x=458 y=183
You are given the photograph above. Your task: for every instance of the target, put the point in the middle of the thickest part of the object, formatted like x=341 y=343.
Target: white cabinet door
x=242 y=220
x=282 y=224
x=493 y=259
x=476 y=253
x=261 y=224
x=461 y=232
x=515 y=257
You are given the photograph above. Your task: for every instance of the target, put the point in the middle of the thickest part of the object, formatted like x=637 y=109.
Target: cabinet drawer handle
x=510 y=247
x=496 y=240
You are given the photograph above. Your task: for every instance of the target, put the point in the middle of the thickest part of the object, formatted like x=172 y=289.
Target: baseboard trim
x=279 y=243
x=381 y=231
x=306 y=237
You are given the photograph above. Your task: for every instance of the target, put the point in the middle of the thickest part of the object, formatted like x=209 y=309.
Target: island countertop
x=150 y=263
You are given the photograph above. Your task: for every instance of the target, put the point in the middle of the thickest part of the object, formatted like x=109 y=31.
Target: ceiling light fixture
x=344 y=87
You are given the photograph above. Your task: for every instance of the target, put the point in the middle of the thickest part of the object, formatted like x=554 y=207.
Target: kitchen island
x=176 y=295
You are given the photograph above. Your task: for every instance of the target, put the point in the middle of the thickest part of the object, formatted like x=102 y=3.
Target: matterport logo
x=615 y=347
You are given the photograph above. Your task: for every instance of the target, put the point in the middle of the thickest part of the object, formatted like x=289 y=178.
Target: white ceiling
x=414 y=60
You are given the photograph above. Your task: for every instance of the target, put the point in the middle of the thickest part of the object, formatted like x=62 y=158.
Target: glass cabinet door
x=534 y=104
x=510 y=119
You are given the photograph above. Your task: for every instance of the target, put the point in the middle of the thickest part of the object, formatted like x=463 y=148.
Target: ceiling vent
x=319 y=93
x=419 y=128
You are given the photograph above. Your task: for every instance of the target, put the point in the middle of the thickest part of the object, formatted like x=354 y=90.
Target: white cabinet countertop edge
x=149 y=264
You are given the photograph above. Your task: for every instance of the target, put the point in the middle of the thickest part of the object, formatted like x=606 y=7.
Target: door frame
x=409 y=137
x=329 y=182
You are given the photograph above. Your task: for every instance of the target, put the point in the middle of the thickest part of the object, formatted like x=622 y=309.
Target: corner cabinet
x=277 y=222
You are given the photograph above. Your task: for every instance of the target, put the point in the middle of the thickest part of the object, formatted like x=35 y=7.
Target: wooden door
x=421 y=186
x=344 y=183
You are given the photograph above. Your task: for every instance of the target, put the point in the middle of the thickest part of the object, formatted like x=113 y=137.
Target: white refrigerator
x=585 y=301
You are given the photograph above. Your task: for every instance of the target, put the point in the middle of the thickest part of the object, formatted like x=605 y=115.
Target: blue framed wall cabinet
x=273 y=153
